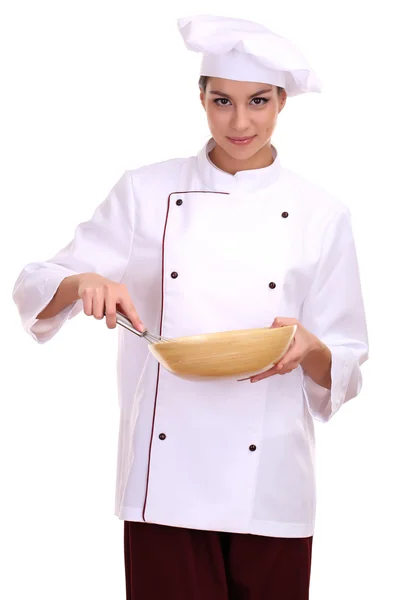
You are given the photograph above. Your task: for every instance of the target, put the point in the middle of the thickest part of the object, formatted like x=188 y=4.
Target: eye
x=221 y=100
x=263 y=101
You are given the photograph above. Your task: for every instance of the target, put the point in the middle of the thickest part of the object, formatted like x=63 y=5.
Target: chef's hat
x=246 y=51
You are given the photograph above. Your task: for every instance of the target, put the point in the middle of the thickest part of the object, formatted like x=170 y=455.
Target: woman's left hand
x=303 y=343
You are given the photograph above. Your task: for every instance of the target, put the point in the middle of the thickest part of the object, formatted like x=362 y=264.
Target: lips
x=241 y=139
x=244 y=141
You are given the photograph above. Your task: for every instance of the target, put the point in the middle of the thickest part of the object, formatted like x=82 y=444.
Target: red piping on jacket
x=161 y=321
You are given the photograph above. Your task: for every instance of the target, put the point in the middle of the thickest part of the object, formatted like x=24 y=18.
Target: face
x=241 y=109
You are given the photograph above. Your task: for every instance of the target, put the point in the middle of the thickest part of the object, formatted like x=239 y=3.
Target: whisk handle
x=125 y=322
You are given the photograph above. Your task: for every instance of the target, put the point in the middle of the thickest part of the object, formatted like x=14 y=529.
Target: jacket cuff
x=346 y=384
x=37 y=298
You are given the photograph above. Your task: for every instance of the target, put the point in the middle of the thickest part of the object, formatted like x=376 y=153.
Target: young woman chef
x=215 y=479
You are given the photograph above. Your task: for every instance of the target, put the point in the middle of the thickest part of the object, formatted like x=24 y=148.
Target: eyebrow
x=216 y=93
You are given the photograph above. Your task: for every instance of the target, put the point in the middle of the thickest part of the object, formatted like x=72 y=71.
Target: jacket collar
x=252 y=180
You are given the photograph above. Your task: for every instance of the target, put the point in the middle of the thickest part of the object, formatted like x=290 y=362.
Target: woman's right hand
x=102 y=296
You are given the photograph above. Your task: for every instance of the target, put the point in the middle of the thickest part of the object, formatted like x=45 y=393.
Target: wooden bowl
x=241 y=353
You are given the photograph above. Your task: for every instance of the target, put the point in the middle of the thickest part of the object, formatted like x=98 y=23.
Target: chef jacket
x=201 y=250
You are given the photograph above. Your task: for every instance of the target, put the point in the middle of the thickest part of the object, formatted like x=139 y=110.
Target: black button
x=272 y=285
x=252 y=448
x=285 y=215
x=174 y=275
x=179 y=202
x=162 y=436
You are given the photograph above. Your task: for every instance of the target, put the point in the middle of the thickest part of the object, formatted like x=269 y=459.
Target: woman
x=215 y=479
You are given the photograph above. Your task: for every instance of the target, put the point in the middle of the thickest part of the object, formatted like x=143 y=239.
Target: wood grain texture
x=241 y=353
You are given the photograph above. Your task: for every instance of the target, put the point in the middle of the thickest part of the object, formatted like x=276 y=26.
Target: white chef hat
x=246 y=51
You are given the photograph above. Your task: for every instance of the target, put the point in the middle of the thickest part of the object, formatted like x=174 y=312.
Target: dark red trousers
x=169 y=563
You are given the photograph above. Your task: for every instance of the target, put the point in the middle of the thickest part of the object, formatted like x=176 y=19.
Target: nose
x=240 y=120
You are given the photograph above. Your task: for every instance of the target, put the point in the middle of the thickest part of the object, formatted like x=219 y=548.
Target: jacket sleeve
x=334 y=311
x=101 y=245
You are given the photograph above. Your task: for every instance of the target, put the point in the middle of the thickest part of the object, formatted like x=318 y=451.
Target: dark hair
x=204 y=80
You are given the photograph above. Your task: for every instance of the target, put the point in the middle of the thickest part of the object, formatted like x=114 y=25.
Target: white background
x=89 y=89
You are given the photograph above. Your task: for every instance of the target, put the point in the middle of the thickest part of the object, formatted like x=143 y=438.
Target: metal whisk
x=150 y=337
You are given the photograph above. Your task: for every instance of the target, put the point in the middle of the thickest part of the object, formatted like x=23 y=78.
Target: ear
x=202 y=98
x=282 y=99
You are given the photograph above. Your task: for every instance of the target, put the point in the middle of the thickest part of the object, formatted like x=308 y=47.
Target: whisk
x=150 y=337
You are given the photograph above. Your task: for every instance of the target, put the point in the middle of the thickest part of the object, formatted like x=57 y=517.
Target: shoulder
x=163 y=171
x=314 y=196
x=149 y=181
x=327 y=218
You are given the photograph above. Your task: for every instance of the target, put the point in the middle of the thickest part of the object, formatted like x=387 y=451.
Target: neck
x=225 y=162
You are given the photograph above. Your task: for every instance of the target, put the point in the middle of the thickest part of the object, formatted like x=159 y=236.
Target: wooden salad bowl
x=241 y=353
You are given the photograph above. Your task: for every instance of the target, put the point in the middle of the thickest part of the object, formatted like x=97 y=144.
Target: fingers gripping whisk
x=152 y=338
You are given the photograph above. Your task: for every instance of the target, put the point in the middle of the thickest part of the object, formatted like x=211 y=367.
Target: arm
x=334 y=312
x=66 y=295
x=101 y=245
x=318 y=363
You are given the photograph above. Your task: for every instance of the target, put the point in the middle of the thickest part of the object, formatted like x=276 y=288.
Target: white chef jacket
x=201 y=250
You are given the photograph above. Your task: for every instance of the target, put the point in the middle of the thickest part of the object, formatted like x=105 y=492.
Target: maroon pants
x=170 y=563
